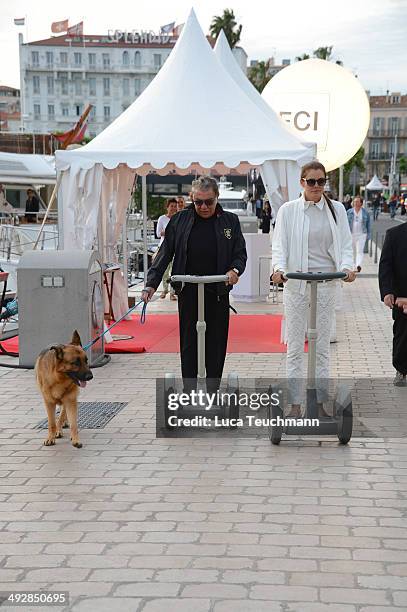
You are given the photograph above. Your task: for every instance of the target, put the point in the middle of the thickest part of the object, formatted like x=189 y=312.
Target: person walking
x=202 y=239
x=171 y=207
x=393 y=206
x=360 y=227
x=376 y=206
x=393 y=292
x=266 y=218
x=311 y=235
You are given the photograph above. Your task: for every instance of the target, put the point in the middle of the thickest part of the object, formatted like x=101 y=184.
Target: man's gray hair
x=205 y=183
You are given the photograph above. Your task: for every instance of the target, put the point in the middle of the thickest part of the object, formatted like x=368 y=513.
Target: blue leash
x=142 y=321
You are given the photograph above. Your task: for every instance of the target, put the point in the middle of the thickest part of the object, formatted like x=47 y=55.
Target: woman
x=311 y=235
x=171 y=206
x=360 y=227
x=266 y=218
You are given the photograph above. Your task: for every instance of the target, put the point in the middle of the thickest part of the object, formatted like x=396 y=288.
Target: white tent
x=26 y=169
x=193 y=117
x=281 y=178
x=375 y=184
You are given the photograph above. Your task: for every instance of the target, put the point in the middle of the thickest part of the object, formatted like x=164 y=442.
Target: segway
x=228 y=410
x=341 y=422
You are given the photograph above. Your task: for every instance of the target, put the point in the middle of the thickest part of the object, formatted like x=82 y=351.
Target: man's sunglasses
x=312 y=182
x=208 y=202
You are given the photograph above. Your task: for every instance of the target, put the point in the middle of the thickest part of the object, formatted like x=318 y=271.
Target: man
x=180 y=203
x=203 y=239
x=393 y=290
x=377 y=202
x=32 y=205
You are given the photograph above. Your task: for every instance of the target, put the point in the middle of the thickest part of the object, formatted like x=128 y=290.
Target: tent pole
x=340 y=195
x=51 y=201
x=144 y=209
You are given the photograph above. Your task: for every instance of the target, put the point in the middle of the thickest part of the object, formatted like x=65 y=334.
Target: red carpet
x=159 y=334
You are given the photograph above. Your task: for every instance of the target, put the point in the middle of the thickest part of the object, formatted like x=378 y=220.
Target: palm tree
x=323 y=53
x=302 y=57
x=227 y=23
x=259 y=75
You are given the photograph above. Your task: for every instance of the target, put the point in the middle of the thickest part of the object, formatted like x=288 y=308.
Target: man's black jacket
x=393 y=263
x=231 y=247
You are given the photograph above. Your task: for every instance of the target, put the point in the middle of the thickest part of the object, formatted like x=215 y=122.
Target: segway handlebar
x=315 y=276
x=192 y=278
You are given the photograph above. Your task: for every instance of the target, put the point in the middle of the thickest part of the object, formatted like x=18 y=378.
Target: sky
x=369 y=36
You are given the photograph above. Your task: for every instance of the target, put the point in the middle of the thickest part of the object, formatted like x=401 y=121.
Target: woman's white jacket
x=290 y=240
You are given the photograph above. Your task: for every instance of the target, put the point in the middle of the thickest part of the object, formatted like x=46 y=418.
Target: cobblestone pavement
x=134 y=523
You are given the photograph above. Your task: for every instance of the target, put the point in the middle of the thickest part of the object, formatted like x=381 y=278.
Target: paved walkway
x=134 y=523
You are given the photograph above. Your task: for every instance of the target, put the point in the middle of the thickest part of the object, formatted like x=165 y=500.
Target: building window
x=92 y=60
x=65 y=110
x=77 y=58
x=125 y=58
x=137 y=59
x=375 y=150
x=92 y=114
x=395 y=99
x=78 y=109
x=63 y=58
x=393 y=126
x=78 y=87
x=126 y=87
x=106 y=113
x=36 y=84
x=35 y=58
x=37 y=111
x=92 y=86
x=51 y=111
x=50 y=85
x=106 y=60
x=50 y=59
x=64 y=86
x=157 y=60
x=106 y=86
x=137 y=87
x=377 y=126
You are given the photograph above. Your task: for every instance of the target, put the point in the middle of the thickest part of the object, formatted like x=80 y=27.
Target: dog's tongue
x=82 y=384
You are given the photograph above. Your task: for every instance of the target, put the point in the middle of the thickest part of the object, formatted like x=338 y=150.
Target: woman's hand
x=147 y=294
x=233 y=278
x=350 y=276
x=389 y=300
x=278 y=278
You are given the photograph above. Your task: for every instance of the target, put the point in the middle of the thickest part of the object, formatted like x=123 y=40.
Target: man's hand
x=389 y=300
x=402 y=303
x=147 y=294
x=278 y=278
x=350 y=276
x=233 y=278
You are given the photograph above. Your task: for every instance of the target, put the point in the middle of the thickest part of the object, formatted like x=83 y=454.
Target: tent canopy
x=192 y=117
x=26 y=169
x=375 y=184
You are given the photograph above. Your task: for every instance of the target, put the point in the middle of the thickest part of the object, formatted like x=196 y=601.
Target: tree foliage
x=259 y=75
x=226 y=22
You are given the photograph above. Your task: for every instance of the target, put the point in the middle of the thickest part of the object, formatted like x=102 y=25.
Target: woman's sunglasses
x=312 y=182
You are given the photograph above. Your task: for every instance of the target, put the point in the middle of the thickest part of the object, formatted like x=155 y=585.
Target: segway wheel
x=275 y=431
x=231 y=409
x=169 y=387
x=345 y=424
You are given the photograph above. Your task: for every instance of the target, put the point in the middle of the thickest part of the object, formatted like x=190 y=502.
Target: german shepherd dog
x=61 y=370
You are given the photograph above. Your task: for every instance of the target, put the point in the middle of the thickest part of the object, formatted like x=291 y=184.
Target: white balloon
x=322 y=102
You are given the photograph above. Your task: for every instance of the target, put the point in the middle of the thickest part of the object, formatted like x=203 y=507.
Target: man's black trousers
x=400 y=340
x=216 y=336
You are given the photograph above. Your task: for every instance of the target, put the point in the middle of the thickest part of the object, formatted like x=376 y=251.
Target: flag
x=59 y=26
x=178 y=29
x=167 y=29
x=76 y=134
x=20 y=21
x=76 y=30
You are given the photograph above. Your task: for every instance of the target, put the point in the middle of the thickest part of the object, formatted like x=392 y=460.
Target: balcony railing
x=112 y=67
x=382 y=156
x=387 y=133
